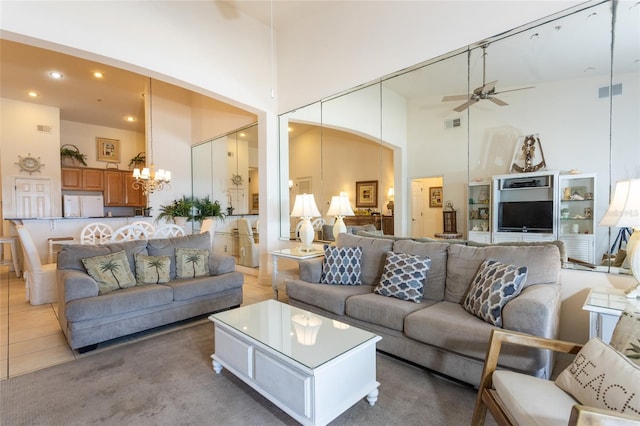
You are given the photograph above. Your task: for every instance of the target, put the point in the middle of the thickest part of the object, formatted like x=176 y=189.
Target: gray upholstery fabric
x=77 y=284
x=374 y=252
x=70 y=256
x=382 y=310
x=535 y=311
x=167 y=247
x=437 y=252
x=560 y=244
x=325 y=296
x=542 y=261
x=185 y=289
x=311 y=270
x=118 y=302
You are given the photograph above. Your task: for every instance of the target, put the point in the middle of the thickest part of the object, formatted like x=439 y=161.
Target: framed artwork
x=435 y=196
x=367 y=193
x=108 y=150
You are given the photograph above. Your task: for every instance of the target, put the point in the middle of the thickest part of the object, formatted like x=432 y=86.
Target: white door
x=33 y=197
x=417 y=207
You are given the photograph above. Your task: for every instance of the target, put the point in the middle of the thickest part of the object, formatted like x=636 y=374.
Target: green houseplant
x=181 y=208
x=70 y=155
x=138 y=160
x=206 y=208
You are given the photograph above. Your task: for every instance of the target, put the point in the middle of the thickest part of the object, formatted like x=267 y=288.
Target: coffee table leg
x=372 y=397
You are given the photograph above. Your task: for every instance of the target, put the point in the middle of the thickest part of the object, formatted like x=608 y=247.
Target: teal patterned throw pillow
x=404 y=276
x=152 y=269
x=494 y=285
x=110 y=271
x=191 y=263
x=342 y=265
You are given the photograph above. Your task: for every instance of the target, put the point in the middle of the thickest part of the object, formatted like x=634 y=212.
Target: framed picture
x=435 y=196
x=108 y=150
x=367 y=193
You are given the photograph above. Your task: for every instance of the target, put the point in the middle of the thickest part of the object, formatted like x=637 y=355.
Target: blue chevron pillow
x=342 y=265
x=404 y=276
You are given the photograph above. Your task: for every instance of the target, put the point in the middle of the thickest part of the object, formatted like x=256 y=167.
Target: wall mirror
x=557 y=81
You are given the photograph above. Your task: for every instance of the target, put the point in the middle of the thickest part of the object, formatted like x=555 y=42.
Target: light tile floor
x=31 y=338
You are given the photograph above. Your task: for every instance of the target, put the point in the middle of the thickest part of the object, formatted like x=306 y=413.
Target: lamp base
x=339 y=227
x=306 y=234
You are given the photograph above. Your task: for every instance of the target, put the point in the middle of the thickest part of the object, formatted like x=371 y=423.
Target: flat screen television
x=525 y=216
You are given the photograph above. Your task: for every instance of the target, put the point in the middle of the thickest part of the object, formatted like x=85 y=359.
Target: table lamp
x=305 y=208
x=306 y=327
x=624 y=211
x=339 y=207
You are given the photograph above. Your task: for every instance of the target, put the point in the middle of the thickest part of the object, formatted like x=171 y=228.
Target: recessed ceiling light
x=33 y=94
x=130 y=118
x=242 y=135
x=56 y=75
x=98 y=74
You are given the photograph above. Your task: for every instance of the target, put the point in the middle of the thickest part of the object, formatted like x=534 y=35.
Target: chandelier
x=148 y=179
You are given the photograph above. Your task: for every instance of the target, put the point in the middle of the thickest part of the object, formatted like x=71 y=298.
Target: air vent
x=452 y=123
x=616 y=89
x=43 y=128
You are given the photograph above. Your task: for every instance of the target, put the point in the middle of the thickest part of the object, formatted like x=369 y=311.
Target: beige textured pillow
x=110 y=271
x=152 y=269
x=602 y=377
x=191 y=263
x=626 y=335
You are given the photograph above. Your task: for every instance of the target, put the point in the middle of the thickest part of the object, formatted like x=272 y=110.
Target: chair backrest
x=244 y=230
x=129 y=233
x=149 y=228
x=96 y=233
x=169 y=230
x=209 y=225
x=318 y=224
x=31 y=256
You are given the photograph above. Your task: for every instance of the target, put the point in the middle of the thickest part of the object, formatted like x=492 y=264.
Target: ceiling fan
x=485 y=92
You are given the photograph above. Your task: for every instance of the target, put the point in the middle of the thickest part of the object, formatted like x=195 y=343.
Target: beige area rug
x=168 y=380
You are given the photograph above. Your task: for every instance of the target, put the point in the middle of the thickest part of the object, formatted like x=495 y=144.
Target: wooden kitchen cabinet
x=92 y=179
x=113 y=191
x=71 y=178
x=81 y=179
x=132 y=197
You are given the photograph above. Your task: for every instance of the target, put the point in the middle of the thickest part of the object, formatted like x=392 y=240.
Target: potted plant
x=138 y=160
x=70 y=156
x=205 y=208
x=178 y=212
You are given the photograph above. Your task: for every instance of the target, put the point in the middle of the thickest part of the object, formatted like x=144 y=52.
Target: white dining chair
x=169 y=230
x=96 y=233
x=40 y=280
x=129 y=233
x=249 y=250
x=148 y=227
x=209 y=225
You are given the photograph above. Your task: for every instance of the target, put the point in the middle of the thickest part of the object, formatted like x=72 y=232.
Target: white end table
x=605 y=305
x=291 y=253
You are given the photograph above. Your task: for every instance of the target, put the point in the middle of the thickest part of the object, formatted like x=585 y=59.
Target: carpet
x=168 y=379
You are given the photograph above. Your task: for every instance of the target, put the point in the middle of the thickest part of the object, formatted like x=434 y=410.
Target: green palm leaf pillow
x=152 y=269
x=111 y=271
x=191 y=263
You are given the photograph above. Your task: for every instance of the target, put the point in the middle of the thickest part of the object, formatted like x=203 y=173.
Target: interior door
x=417 y=207
x=33 y=197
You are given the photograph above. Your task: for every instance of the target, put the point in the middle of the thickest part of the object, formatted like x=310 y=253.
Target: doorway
x=426 y=217
x=32 y=197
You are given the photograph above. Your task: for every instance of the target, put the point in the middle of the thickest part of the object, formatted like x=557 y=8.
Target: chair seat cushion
x=531 y=400
x=388 y=312
x=331 y=298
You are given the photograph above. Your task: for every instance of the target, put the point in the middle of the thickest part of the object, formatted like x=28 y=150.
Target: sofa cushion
x=602 y=377
x=493 y=287
x=341 y=265
x=185 y=289
x=192 y=263
x=437 y=252
x=331 y=298
x=532 y=400
x=111 y=271
x=403 y=277
x=374 y=252
x=542 y=262
x=152 y=269
x=385 y=311
x=167 y=247
x=70 y=256
x=118 y=302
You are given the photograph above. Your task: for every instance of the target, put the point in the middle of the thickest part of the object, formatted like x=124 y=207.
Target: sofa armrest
x=591 y=416
x=74 y=284
x=535 y=311
x=221 y=264
x=311 y=269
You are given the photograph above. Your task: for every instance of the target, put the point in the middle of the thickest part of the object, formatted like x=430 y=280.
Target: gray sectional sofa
x=88 y=318
x=438 y=333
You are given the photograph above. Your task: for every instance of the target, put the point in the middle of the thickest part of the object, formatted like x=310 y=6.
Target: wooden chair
x=129 y=233
x=488 y=397
x=96 y=233
x=169 y=230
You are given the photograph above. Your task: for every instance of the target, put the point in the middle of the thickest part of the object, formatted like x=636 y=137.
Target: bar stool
x=12 y=241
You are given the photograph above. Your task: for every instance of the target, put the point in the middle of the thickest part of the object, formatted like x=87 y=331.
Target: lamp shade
x=624 y=210
x=340 y=206
x=305 y=206
x=391 y=193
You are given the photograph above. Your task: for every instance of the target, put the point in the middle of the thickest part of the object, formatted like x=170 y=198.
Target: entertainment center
x=540 y=206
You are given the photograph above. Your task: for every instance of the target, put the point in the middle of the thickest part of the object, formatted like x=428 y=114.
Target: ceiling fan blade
x=514 y=90
x=498 y=101
x=465 y=105
x=455 y=98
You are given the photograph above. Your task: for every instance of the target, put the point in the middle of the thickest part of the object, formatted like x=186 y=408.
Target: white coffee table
x=310 y=366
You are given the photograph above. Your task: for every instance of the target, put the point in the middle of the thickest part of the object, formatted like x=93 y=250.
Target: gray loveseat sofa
x=438 y=333
x=88 y=318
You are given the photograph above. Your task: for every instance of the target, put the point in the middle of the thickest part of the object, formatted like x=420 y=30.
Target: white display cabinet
x=576 y=195
x=479 y=212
